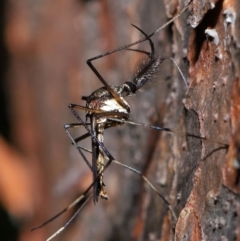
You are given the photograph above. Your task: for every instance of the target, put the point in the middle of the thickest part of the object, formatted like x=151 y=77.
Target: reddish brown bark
x=48 y=43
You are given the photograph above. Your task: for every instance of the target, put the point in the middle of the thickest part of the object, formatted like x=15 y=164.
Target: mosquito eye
x=129 y=88
x=84 y=98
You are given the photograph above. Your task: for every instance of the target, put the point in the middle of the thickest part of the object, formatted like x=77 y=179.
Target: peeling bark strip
x=48 y=43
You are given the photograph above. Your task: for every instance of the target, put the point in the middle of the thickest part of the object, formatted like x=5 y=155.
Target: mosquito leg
x=78 y=148
x=80 y=198
x=80 y=107
x=145 y=125
x=76 y=125
x=107 y=153
x=147 y=181
x=85 y=125
x=87 y=135
x=143 y=39
x=73 y=204
x=69 y=221
x=151 y=54
x=80 y=138
x=98 y=149
x=99 y=112
x=150 y=184
x=74 y=141
x=150 y=126
x=224 y=145
x=110 y=90
x=140 y=51
x=171 y=20
x=126 y=47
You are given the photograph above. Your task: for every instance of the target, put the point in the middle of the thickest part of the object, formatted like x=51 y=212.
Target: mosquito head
x=128 y=89
x=84 y=98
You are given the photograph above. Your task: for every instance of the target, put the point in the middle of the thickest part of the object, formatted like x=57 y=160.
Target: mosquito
x=106 y=108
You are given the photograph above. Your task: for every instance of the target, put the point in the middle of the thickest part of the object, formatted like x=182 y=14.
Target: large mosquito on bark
x=106 y=108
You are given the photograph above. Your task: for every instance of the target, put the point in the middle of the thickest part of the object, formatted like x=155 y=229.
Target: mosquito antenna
x=162 y=59
x=148 y=69
x=145 y=70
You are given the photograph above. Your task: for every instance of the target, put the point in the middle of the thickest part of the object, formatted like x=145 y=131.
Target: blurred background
x=44 y=46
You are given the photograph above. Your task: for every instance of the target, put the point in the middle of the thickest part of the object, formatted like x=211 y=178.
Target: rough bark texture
x=47 y=44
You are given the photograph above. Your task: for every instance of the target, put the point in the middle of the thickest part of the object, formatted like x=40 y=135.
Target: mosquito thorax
x=102 y=100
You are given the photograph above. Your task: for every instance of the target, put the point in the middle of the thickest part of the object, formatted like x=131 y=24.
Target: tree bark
x=48 y=43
